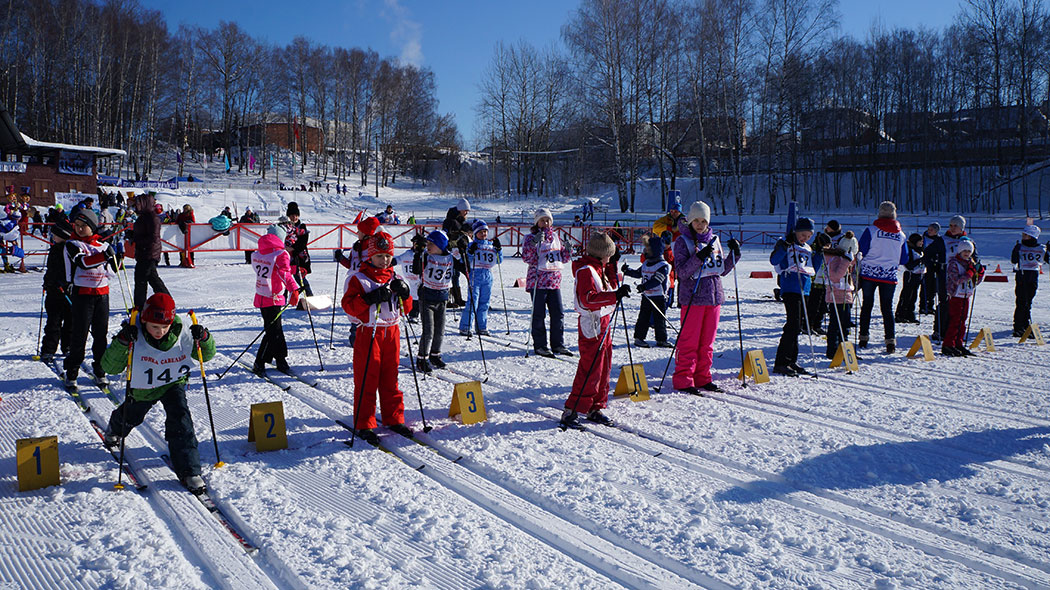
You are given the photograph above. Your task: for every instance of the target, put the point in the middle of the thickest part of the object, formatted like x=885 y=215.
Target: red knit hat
x=159 y=309
x=381 y=243
x=368 y=227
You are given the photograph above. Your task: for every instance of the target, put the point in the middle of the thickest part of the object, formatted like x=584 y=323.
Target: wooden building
x=41 y=169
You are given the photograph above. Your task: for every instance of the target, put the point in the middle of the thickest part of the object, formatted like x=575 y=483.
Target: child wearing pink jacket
x=273 y=280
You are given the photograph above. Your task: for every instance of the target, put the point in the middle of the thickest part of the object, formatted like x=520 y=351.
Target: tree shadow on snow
x=897 y=463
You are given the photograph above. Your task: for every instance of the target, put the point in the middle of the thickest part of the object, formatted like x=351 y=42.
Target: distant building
x=41 y=169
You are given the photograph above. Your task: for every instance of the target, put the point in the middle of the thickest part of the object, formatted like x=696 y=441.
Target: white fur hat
x=966 y=245
x=543 y=212
x=699 y=210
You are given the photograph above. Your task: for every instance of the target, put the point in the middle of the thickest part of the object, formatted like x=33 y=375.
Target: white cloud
x=407 y=33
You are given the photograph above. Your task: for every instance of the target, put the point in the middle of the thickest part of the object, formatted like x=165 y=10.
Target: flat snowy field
x=906 y=474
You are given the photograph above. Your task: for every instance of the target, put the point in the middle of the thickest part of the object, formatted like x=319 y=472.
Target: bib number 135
x=165 y=376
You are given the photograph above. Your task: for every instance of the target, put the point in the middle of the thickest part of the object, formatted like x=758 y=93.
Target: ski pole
x=532 y=314
x=659 y=311
x=630 y=358
x=252 y=343
x=123 y=297
x=598 y=353
x=412 y=363
x=685 y=318
x=310 y=315
x=973 y=298
x=834 y=304
x=506 y=314
x=207 y=398
x=124 y=412
x=335 y=293
x=805 y=312
x=40 y=329
x=364 y=381
x=473 y=308
x=739 y=325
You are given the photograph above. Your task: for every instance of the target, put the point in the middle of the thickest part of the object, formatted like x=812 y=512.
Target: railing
x=243 y=237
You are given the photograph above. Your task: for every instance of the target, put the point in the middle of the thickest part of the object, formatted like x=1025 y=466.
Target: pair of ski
x=135 y=480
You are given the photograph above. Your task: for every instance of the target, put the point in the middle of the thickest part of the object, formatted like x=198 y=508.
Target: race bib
x=152 y=368
x=437 y=273
x=549 y=254
x=485 y=257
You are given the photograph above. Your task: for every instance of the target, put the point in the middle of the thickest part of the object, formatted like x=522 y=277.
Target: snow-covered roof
x=98 y=151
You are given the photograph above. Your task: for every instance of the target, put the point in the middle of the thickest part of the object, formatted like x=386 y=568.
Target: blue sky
x=455 y=38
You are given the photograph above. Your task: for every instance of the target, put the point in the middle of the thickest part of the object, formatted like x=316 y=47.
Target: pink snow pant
x=692 y=367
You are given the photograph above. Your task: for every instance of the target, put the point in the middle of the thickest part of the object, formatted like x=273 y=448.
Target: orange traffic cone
x=998 y=269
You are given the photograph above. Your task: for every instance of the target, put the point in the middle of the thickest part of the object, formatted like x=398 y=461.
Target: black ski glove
x=111 y=258
x=472 y=248
x=400 y=288
x=705 y=251
x=337 y=255
x=639 y=288
x=419 y=243
x=623 y=292
x=128 y=333
x=625 y=267
x=379 y=295
x=199 y=333
x=734 y=246
x=496 y=244
x=615 y=257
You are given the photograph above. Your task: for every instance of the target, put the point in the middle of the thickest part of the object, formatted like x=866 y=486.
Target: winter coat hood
x=144 y=203
x=269 y=244
x=887 y=224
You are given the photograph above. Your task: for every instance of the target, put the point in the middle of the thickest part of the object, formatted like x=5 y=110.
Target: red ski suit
x=377 y=348
x=594 y=291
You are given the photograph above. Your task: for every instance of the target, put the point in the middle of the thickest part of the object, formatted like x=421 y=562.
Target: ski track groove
x=608 y=554
x=217 y=553
x=884 y=531
x=667 y=449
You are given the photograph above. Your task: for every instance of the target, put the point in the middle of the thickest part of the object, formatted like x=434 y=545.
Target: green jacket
x=115 y=359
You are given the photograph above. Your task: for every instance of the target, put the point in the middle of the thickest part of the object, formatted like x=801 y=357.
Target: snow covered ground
x=904 y=475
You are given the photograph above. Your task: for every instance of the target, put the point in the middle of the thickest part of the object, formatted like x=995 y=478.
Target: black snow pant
x=1025 y=292
x=432 y=314
x=787 y=350
x=816 y=307
x=651 y=313
x=909 y=295
x=273 y=346
x=885 y=306
x=834 y=336
x=146 y=275
x=90 y=313
x=178 y=427
x=59 y=323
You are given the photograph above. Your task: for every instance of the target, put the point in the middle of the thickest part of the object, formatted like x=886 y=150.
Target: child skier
x=545 y=255
x=792 y=259
x=1028 y=257
x=596 y=298
x=273 y=280
x=374 y=299
x=87 y=263
x=365 y=229
x=836 y=265
x=914 y=272
x=163 y=351
x=963 y=276
x=700 y=264
x=56 y=299
x=482 y=255
x=654 y=274
x=406 y=263
x=436 y=269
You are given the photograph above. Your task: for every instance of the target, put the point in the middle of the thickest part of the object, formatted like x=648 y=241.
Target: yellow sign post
x=847 y=356
x=632 y=382
x=37 y=462
x=468 y=403
x=1033 y=333
x=985 y=335
x=754 y=366
x=266 y=427
x=922 y=343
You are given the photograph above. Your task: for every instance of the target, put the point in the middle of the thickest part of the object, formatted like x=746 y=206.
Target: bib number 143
x=165 y=376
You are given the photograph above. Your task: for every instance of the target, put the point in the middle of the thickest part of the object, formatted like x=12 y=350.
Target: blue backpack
x=220 y=223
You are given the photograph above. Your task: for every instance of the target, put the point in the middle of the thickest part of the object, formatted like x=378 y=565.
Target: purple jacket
x=548 y=279
x=687 y=264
